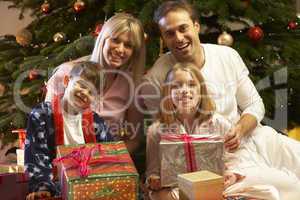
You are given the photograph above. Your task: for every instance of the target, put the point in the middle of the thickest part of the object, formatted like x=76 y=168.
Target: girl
x=187 y=108
x=120 y=50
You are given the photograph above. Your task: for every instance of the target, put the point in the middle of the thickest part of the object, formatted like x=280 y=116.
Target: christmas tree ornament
x=33 y=74
x=59 y=37
x=292 y=25
x=25 y=91
x=2 y=89
x=79 y=6
x=255 y=34
x=225 y=39
x=245 y=3
x=97 y=30
x=146 y=37
x=45 y=7
x=24 y=37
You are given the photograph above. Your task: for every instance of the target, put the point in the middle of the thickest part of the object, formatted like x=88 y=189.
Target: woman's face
x=117 y=50
x=185 y=92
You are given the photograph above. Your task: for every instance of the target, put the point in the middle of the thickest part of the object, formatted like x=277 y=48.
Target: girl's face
x=185 y=92
x=117 y=50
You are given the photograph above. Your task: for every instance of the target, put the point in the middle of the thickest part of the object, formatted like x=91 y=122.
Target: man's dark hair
x=89 y=71
x=169 y=6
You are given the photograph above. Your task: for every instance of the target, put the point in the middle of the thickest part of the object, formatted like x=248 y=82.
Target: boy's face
x=180 y=34
x=80 y=93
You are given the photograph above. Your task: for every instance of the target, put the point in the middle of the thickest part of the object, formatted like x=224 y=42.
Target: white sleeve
x=248 y=99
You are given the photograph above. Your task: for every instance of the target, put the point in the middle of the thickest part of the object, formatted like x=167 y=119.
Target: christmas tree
x=265 y=33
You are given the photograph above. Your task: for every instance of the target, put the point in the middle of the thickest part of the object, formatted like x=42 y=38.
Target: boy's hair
x=206 y=107
x=169 y=6
x=89 y=71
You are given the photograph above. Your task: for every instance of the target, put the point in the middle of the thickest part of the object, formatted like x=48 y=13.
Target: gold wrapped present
x=200 y=185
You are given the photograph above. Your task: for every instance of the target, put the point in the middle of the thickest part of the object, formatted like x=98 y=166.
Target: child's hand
x=38 y=195
x=231 y=178
x=154 y=182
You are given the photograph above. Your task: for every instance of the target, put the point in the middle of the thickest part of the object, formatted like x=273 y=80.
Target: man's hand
x=154 y=182
x=233 y=138
x=38 y=195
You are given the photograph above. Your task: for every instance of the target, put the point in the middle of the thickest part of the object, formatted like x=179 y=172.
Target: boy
x=63 y=121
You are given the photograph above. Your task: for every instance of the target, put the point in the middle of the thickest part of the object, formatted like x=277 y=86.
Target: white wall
x=9 y=19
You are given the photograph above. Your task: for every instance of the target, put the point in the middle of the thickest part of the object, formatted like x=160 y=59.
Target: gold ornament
x=25 y=91
x=58 y=37
x=225 y=39
x=2 y=89
x=24 y=37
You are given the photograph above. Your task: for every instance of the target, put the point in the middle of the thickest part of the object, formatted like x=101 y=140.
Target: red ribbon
x=87 y=123
x=82 y=159
x=189 y=149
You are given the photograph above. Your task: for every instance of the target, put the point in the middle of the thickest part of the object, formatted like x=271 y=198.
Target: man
x=275 y=172
x=224 y=71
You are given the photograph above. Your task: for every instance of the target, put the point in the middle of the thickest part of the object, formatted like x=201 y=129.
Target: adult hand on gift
x=38 y=195
x=154 y=182
x=233 y=138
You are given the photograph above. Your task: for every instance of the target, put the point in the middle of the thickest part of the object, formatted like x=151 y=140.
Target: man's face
x=180 y=34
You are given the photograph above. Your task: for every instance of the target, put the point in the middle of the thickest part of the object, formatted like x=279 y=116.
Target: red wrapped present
x=13 y=186
x=97 y=171
x=182 y=153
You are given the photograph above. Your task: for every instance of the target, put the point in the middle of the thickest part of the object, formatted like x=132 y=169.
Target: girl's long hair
x=168 y=113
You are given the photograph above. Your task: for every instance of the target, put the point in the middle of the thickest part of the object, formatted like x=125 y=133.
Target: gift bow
x=189 y=149
x=82 y=157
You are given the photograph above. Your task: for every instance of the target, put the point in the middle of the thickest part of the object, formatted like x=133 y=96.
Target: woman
x=120 y=50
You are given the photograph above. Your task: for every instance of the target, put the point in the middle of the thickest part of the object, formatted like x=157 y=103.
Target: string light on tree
x=255 y=34
x=225 y=39
x=45 y=7
x=79 y=6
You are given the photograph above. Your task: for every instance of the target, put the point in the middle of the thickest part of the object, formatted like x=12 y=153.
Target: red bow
x=189 y=149
x=82 y=159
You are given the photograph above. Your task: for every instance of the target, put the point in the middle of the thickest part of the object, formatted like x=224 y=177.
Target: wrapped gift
x=97 y=171
x=200 y=185
x=6 y=168
x=13 y=183
x=182 y=153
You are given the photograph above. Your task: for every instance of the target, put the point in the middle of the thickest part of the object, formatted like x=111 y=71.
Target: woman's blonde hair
x=205 y=108
x=116 y=25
